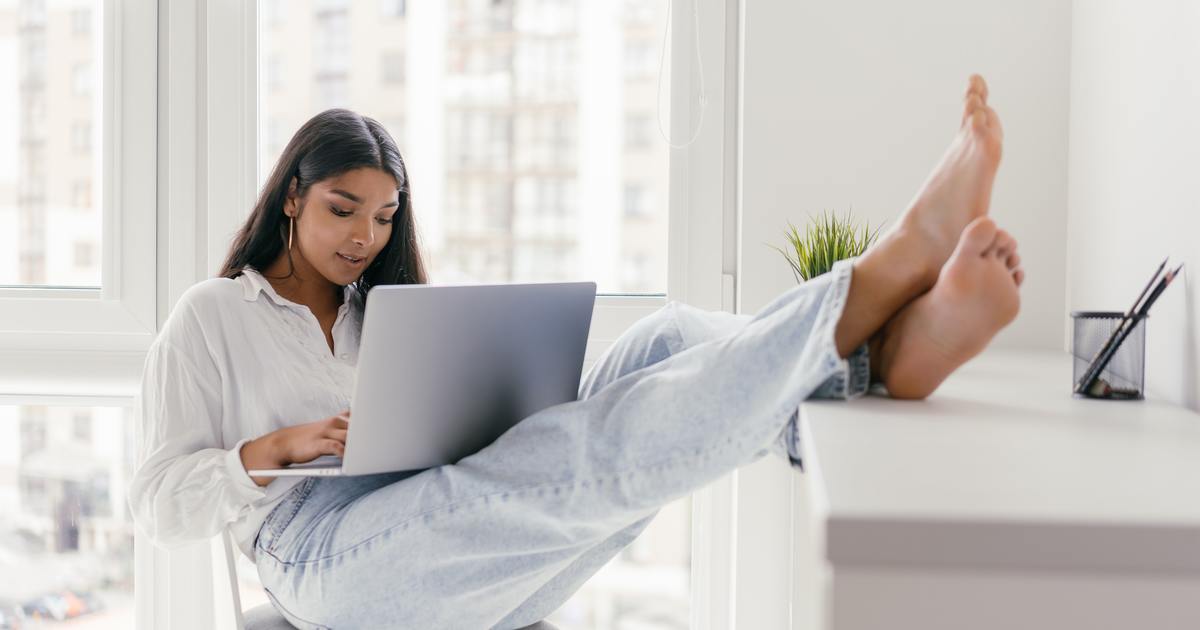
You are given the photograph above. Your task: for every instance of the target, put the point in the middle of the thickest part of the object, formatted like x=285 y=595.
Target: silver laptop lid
x=445 y=370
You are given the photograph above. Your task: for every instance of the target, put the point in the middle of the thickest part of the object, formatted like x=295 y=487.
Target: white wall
x=1134 y=164
x=851 y=103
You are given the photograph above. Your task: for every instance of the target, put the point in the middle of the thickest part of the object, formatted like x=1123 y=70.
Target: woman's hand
x=296 y=445
x=306 y=442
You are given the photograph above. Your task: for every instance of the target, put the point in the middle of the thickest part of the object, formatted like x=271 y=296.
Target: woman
x=246 y=362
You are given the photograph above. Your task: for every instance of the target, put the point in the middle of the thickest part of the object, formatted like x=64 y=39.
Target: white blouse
x=233 y=362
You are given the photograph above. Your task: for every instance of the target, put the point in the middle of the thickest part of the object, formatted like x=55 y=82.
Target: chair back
x=229 y=607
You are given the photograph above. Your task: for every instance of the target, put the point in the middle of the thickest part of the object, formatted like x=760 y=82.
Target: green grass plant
x=826 y=239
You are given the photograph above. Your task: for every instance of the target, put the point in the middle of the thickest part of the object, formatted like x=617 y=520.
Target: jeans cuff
x=851 y=380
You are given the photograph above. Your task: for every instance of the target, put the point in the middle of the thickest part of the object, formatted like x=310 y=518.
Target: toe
x=976 y=85
x=1004 y=245
x=1013 y=261
x=993 y=123
x=981 y=120
x=971 y=107
x=1019 y=276
x=978 y=236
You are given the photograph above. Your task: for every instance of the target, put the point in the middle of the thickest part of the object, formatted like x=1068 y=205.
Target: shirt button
x=345 y=356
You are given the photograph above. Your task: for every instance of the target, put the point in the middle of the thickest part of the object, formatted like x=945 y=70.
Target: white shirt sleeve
x=186 y=487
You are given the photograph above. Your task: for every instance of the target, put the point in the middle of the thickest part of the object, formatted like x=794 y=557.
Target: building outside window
x=64 y=528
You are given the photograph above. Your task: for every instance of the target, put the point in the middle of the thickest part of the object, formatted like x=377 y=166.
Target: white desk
x=1002 y=502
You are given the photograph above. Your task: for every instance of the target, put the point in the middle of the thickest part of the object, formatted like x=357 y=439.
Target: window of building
x=81 y=79
x=636 y=197
x=392 y=62
x=392 y=8
x=639 y=130
x=81 y=21
x=81 y=137
x=81 y=427
x=274 y=71
x=81 y=194
x=641 y=59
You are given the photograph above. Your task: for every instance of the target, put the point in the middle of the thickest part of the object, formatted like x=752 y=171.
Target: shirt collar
x=254 y=283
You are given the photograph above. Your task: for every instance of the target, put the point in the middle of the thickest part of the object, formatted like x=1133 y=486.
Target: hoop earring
x=291 y=231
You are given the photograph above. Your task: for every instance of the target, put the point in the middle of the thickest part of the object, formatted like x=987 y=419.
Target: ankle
x=906 y=258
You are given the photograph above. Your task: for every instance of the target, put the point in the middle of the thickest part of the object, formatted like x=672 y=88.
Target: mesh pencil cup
x=1125 y=374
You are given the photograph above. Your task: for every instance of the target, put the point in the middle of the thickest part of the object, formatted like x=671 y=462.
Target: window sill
x=70 y=377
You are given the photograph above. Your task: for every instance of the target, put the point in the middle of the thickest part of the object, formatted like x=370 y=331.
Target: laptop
x=445 y=370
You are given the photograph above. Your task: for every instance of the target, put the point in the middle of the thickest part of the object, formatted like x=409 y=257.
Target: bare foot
x=975 y=296
x=959 y=189
x=906 y=262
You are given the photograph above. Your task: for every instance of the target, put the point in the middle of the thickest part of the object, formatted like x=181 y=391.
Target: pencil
x=1091 y=373
x=1137 y=318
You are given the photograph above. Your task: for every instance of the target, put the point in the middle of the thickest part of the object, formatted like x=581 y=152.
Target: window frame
x=207 y=175
x=43 y=329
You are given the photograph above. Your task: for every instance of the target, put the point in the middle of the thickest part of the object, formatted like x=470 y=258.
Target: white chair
x=261 y=617
x=264 y=616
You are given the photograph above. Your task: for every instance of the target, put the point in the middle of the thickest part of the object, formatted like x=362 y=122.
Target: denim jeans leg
x=670 y=330
x=465 y=545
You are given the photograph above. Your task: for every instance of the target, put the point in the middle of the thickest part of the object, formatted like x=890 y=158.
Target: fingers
x=333 y=438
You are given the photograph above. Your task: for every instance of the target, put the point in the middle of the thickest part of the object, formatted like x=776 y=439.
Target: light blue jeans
x=504 y=537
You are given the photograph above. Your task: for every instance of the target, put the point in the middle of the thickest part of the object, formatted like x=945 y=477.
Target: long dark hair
x=329 y=144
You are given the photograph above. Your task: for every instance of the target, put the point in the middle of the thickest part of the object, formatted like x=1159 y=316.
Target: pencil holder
x=1126 y=372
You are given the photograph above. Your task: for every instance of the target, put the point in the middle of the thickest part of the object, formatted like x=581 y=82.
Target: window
x=641 y=58
x=65 y=529
x=522 y=170
x=639 y=130
x=636 y=201
x=392 y=8
x=36 y=62
x=81 y=79
x=331 y=40
x=81 y=22
x=397 y=126
x=330 y=89
x=393 y=67
x=275 y=72
x=503 y=110
x=271 y=13
x=82 y=426
x=81 y=137
x=81 y=195
x=75 y=151
x=56 y=54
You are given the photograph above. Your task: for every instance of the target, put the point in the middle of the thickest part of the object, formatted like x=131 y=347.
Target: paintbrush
x=1091 y=373
x=1137 y=318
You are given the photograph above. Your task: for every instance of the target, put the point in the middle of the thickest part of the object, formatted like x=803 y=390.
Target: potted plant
x=827 y=239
